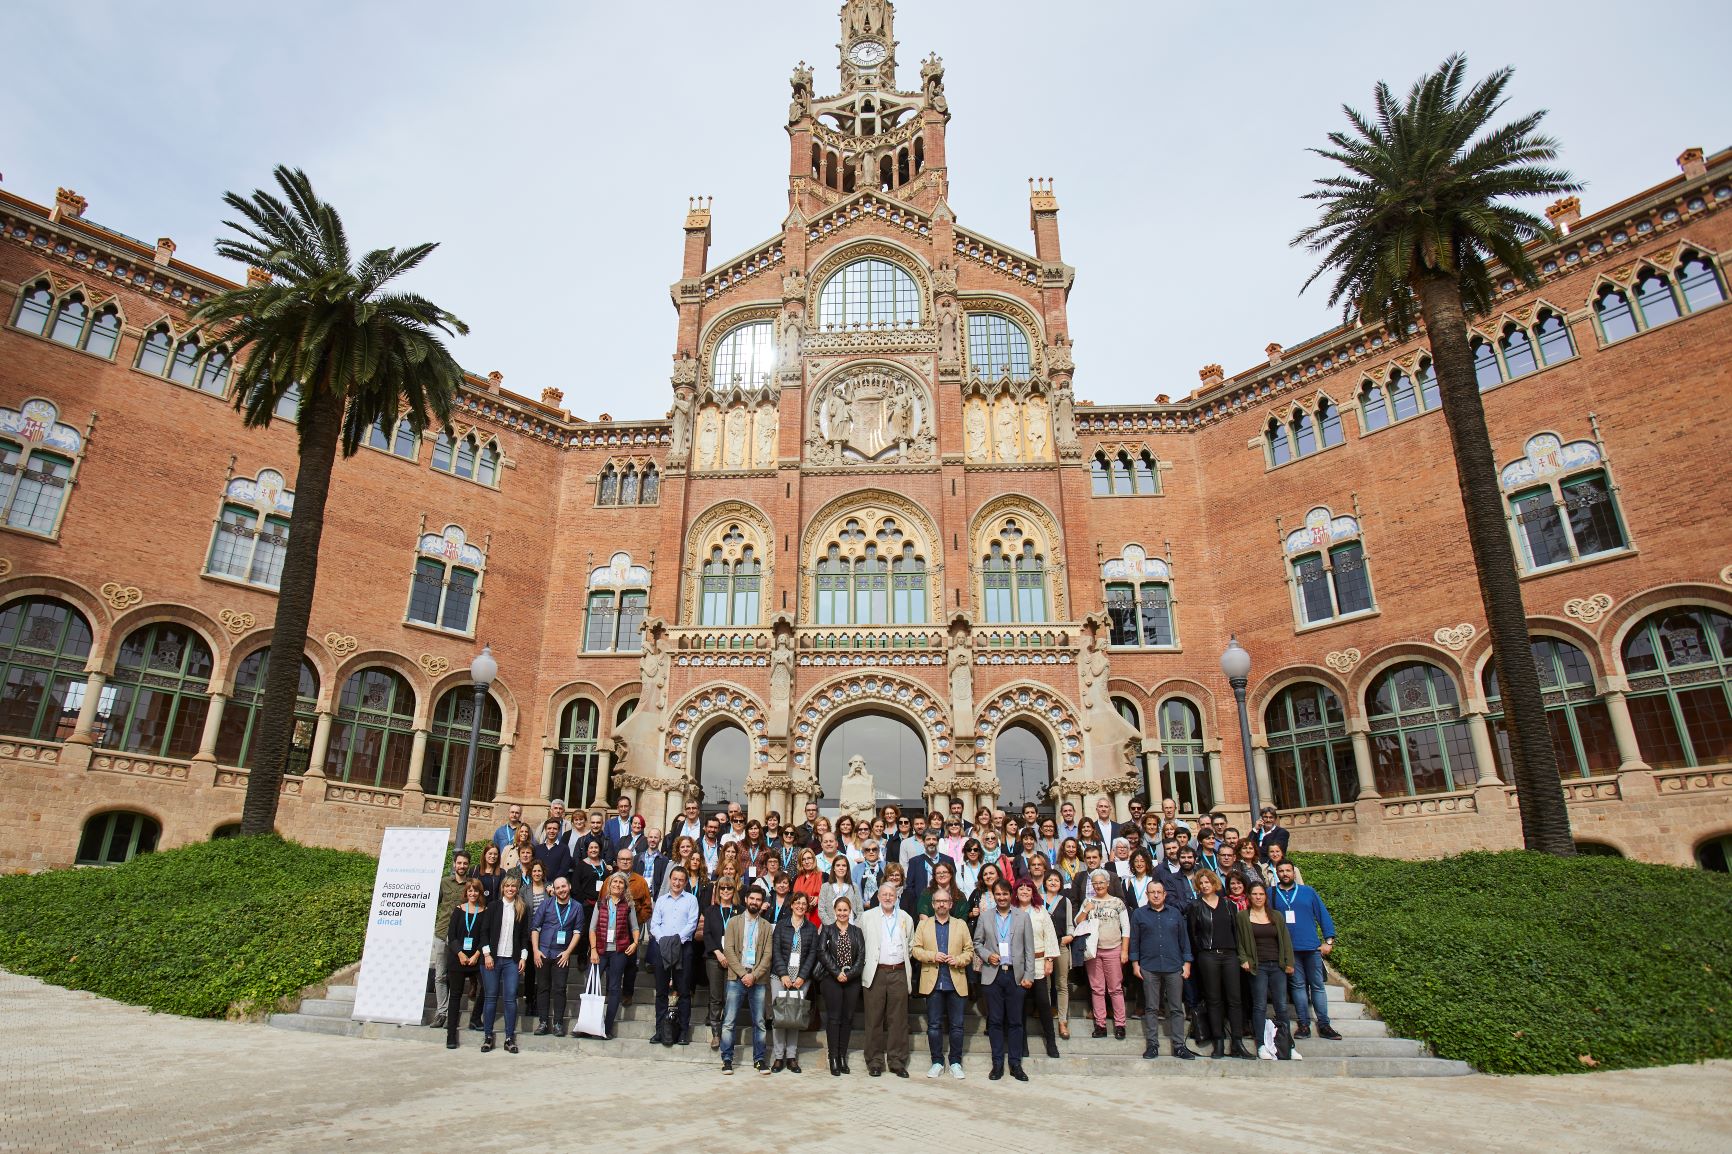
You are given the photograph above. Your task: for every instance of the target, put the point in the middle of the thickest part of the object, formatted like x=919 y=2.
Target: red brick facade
x=893 y=413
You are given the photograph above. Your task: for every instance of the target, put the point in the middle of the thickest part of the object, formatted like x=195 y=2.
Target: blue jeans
x=944 y=1017
x=1308 y=983
x=754 y=999
x=500 y=985
x=1269 y=984
x=613 y=970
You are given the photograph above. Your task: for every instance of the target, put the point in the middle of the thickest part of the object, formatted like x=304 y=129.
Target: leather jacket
x=828 y=964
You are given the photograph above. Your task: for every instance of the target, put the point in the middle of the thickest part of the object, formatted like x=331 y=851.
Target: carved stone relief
x=871 y=415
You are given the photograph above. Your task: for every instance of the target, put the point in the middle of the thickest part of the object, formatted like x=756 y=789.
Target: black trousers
x=1039 y=1000
x=456 y=977
x=1218 y=975
x=550 y=979
x=841 y=999
x=673 y=978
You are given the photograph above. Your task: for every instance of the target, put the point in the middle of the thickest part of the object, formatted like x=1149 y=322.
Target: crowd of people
x=1209 y=934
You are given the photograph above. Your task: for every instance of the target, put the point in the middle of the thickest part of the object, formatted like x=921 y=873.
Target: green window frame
x=240 y=721
x=1581 y=725
x=1185 y=773
x=1419 y=742
x=115 y=837
x=577 y=761
x=447 y=753
x=156 y=700
x=44 y=647
x=1309 y=751
x=1678 y=662
x=373 y=736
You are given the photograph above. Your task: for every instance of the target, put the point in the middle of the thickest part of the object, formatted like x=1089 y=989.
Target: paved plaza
x=79 y=1073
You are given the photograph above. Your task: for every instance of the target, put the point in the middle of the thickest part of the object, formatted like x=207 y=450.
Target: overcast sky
x=550 y=147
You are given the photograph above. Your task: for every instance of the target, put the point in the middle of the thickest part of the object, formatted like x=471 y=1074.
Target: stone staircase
x=1366 y=1048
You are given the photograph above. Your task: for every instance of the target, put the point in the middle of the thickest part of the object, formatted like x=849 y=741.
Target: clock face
x=867 y=53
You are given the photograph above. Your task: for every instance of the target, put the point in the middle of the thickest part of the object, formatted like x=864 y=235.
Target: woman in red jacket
x=808 y=881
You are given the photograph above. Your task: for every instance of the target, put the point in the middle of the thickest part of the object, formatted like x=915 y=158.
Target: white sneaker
x=956 y=1071
x=937 y=1070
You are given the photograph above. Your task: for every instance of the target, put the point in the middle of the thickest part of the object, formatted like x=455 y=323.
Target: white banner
x=392 y=986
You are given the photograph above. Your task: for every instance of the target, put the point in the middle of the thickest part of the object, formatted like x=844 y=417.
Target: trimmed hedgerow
x=240 y=922
x=1523 y=963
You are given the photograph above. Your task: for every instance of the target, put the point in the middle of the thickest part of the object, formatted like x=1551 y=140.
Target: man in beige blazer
x=888 y=931
x=746 y=945
x=945 y=949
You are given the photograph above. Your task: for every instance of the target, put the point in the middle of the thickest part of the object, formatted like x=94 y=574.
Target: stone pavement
x=79 y=1073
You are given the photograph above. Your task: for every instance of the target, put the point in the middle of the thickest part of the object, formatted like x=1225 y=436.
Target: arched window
x=1022 y=760
x=1401 y=395
x=577 y=763
x=871 y=574
x=251 y=538
x=1554 y=338
x=1679 y=664
x=1699 y=282
x=238 y=732
x=1329 y=421
x=997 y=346
x=1099 y=480
x=1518 y=351
x=226 y=830
x=1145 y=478
x=723 y=759
x=400 y=442
x=183 y=368
x=868 y=292
x=1184 y=765
x=1419 y=744
x=628 y=486
x=1486 y=371
x=1373 y=407
x=1310 y=754
x=213 y=374
x=35 y=304
x=116 y=837
x=289 y=404
x=1561 y=503
x=1654 y=298
x=104 y=333
x=1617 y=319
x=1326 y=558
x=44 y=644
x=608 y=491
x=373 y=735
x=1120 y=463
x=746 y=354
x=894 y=752
x=69 y=321
x=1581 y=726
x=153 y=351
x=1280 y=442
x=448 y=746
x=156 y=701
x=650 y=493
x=1430 y=398
x=1715 y=854
x=1304 y=434
x=467 y=458
x=38 y=455
x=444 y=591
x=730 y=593
x=618 y=604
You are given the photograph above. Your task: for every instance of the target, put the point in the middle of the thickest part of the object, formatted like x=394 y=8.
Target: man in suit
x=652 y=863
x=919 y=872
x=552 y=853
x=1104 y=820
x=1270 y=830
x=1005 y=959
x=945 y=951
x=591 y=832
x=618 y=827
x=807 y=830
x=888 y=932
x=686 y=824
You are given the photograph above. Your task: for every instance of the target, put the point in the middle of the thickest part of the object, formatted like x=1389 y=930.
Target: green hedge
x=239 y=922
x=1522 y=963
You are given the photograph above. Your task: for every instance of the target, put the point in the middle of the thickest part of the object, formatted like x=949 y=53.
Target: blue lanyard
x=561 y=912
x=469 y=921
x=1284 y=898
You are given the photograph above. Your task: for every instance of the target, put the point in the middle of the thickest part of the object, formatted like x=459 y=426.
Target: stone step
x=327 y=1007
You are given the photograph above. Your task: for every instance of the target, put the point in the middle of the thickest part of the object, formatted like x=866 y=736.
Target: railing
x=1693 y=780
x=1321 y=815
x=1431 y=805
x=767 y=255
x=1018 y=265
x=139 y=765
x=29 y=749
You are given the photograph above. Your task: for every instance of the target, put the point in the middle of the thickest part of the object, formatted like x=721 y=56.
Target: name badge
x=1004 y=951
x=1291 y=920
x=468 y=945
x=560 y=940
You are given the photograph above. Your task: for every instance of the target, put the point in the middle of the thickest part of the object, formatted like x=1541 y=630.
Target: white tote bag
x=592 y=1007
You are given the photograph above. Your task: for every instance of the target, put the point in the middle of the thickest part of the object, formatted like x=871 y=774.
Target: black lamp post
x=482 y=671
x=1236 y=664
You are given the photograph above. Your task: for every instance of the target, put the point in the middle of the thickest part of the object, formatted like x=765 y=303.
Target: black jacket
x=555 y=860
x=1200 y=921
x=586 y=882
x=457 y=927
x=715 y=924
x=488 y=931
x=782 y=948
x=828 y=965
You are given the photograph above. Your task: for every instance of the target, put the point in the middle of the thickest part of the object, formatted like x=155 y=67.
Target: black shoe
x=686 y=1036
x=1099 y=1032
x=997 y=1073
x=1327 y=1031
x=776 y=1066
x=900 y=1071
x=1119 y=1033
x=1239 y=1050
x=543 y=1030
x=475 y=1024
x=762 y=1068
x=727 y=1066
x=559 y=1029
x=1220 y=1049
x=656 y=1038
x=1016 y=1072
x=793 y=1066
x=1185 y=1052
x=450 y=1043
x=1152 y=1050
x=487 y=1044
x=874 y=1072
x=1304 y=1031
x=510 y=1044
x=1051 y=1048
x=845 y=1068
x=835 y=1068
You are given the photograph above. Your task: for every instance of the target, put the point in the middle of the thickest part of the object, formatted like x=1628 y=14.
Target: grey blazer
x=1021 y=946
x=827 y=903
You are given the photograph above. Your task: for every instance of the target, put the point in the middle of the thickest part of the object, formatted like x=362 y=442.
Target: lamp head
x=484 y=668
x=1235 y=662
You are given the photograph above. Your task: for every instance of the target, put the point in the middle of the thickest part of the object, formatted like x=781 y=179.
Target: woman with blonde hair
x=504 y=954
x=808 y=881
x=615 y=935
x=1213 y=924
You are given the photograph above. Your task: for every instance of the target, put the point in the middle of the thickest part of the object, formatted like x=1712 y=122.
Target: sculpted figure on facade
x=974 y=429
x=681 y=432
x=1064 y=417
x=1004 y=428
x=764 y=435
x=781 y=677
x=788 y=354
x=709 y=438
x=801 y=82
x=959 y=658
x=949 y=338
x=1036 y=417
x=837 y=421
x=1113 y=742
x=738 y=424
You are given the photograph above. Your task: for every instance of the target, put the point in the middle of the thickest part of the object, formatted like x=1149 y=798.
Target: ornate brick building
x=878 y=521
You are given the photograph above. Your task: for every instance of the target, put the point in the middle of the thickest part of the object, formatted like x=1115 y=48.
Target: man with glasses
x=688 y=824
x=809 y=829
x=1138 y=809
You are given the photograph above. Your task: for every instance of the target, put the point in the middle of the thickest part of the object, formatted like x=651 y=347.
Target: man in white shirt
x=686 y=823
x=1104 y=820
x=736 y=830
x=672 y=922
x=888 y=932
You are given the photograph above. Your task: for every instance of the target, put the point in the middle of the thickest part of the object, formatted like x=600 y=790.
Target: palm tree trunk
x=1539 y=791
x=321 y=425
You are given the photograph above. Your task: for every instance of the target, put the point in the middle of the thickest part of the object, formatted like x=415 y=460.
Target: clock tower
x=868 y=45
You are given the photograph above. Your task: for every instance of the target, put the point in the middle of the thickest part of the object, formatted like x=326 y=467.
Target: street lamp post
x=1236 y=664
x=482 y=671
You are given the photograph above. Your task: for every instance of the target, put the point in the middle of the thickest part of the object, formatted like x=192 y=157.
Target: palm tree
x=324 y=326
x=1415 y=222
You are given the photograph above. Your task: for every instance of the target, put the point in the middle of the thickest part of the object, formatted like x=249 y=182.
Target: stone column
x=213 y=720
x=1362 y=761
x=93 y=684
x=603 y=774
x=321 y=744
x=757 y=805
x=547 y=774
x=1260 y=766
x=1623 y=732
x=779 y=800
x=1480 y=734
x=418 y=759
x=502 y=780
x=1217 y=786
